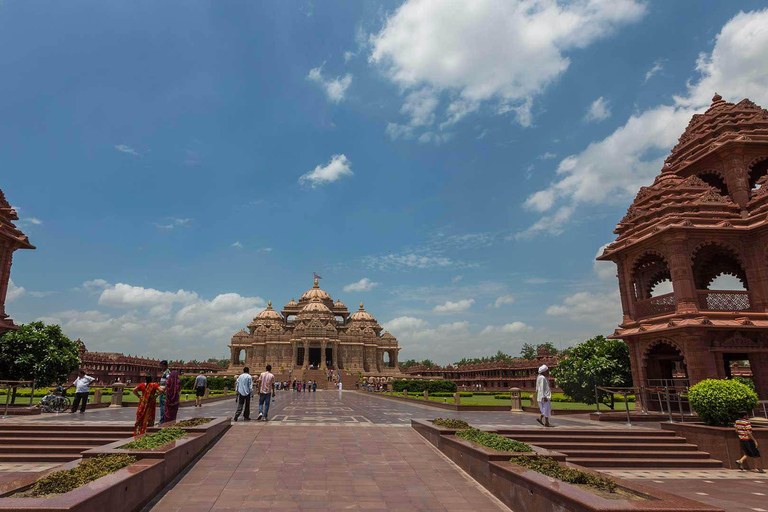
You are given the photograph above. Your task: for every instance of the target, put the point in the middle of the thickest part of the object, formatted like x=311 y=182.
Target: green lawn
x=127 y=397
x=490 y=400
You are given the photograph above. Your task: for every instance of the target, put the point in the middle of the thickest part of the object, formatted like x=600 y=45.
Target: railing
x=669 y=399
x=762 y=407
x=655 y=306
x=624 y=392
x=10 y=385
x=721 y=300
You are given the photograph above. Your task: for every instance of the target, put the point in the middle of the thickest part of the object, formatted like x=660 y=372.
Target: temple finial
x=716 y=98
x=316 y=285
x=269 y=304
x=361 y=305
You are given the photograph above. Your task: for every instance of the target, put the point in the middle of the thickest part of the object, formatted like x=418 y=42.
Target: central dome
x=315 y=309
x=315 y=293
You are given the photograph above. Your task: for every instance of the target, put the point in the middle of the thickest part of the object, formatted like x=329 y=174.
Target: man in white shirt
x=82 y=390
x=544 y=395
x=244 y=390
x=266 y=385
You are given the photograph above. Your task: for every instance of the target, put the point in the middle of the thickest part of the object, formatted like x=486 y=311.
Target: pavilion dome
x=315 y=293
x=315 y=309
x=361 y=315
x=291 y=304
x=339 y=305
x=270 y=314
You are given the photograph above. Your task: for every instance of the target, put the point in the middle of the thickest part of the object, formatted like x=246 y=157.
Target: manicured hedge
x=493 y=441
x=549 y=466
x=451 y=423
x=440 y=394
x=188 y=382
x=194 y=422
x=67 y=480
x=160 y=438
x=718 y=402
x=419 y=386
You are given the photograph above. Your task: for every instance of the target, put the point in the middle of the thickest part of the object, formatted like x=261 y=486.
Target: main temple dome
x=315 y=293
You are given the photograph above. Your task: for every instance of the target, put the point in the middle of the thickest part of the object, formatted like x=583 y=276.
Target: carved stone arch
x=648 y=268
x=714 y=178
x=661 y=341
x=736 y=251
x=757 y=171
x=706 y=269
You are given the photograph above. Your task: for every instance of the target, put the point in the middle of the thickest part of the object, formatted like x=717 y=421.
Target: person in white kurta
x=544 y=395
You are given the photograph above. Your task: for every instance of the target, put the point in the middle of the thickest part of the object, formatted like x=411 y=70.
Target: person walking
x=201 y=383
x=266 y=385
x=544 y=395
x=244 y=390
x=164 y=373
x=172 y=396
x=82 y=385
x=748 y=443
x=314 y=386
x=147 y=392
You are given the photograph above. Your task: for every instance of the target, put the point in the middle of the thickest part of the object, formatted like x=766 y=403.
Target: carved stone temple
x=315 y=332
x=703 y=218
x=11 y=239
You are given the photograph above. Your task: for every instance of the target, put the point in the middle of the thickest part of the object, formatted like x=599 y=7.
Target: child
x=749 y=446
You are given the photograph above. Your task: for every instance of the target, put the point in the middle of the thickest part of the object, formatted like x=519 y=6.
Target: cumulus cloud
x=32 y=220
x=612 y=169
x=412 y=260
x=338 y=167
x=335 y=88
x=605 y=270
x=405 y=323
x=511 y=328
x=14 y=292
x=459 y=306
x=504 y=299
x=363 y=285
x=599 y=110
x=503 y=52
x=547 y=156
x=123 y=148
x=237 y=245
x=123 y=295
x=600 y=309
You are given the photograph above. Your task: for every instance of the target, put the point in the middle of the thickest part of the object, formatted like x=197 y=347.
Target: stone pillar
x=534 y=400
x=698 y=359
x=682 y=275
x=626 y=303
x=97 y=396
x=336 y=356
x=758 y=362
x=207 y=392
x=426 y=395
x=305 y=364
x=456 y=399
x=736 y=178
x=405 y=393
x=323 y=360
x=516 y=402
x=117 y=394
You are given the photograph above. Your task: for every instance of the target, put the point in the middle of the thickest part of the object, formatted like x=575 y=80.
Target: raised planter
x=722 y=443
x=523 y=489
x=125 y=490
x=188 y=403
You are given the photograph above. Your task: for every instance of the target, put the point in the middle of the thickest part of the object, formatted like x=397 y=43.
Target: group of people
x=244 y=386
x=166 y=393
x=301 y=386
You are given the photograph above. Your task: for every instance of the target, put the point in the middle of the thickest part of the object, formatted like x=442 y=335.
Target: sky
x=454 y=164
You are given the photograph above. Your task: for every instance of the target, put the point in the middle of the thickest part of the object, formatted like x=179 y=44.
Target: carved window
x=714 y=180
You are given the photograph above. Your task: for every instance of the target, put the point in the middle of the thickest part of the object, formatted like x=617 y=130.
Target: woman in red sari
x=145 y=413
x=172 y=396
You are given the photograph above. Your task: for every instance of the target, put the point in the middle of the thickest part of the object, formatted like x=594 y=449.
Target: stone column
x=295 y=347
x=736 y=178
x=233 y=356
x=758 y=362
x=306 y=355
x=336 y=356
x=624 y=278
x=323 y=360
x=515 y=401
x=117 y=394
x=698 y=358
x=456 y=399
x=682 y=275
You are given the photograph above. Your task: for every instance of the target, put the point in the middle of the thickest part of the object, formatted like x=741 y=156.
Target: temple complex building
x=315 y=332
x=692 y=255
x=495 y=376
x=11 y=239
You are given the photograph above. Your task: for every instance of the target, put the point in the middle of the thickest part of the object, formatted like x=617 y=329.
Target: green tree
x=549 y=346
x=528 y=351
x=37 y=352
x=595 y=362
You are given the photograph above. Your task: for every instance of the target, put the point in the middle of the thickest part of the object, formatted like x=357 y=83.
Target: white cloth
x=340 y=386
x=266 y=381
x=545 y=408
x=82 y=384
x=542 y=388
x=244 y=384
x=543 y=368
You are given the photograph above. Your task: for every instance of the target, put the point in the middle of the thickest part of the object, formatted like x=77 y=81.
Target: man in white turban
x=544 y=395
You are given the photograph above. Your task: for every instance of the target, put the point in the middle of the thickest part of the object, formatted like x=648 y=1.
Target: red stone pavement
x=258 y=466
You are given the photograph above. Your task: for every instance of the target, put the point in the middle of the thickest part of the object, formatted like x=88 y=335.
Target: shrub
x=194 y=422
x=451 y=423
x=88 y=470
x=419 y=386
x=493 y=441
x=718 y=402
x=214 y=382
x=746 y=381
x=160 y=438
x=549 y=466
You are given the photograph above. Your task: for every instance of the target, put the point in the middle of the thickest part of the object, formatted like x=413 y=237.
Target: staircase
x=51 y=442
x=613 y=448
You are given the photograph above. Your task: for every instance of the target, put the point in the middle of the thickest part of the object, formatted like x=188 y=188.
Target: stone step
x=44 y=449
x=64 y=441
x=38 y=457
x=84 y=426
x=543 y=438
x=73 y=432
x=588 y=432
x=636 y=463
x=563 y=447
x=646 y=454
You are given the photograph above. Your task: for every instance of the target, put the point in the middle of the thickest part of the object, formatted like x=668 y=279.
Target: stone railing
x=722 y=300
x=660 y=305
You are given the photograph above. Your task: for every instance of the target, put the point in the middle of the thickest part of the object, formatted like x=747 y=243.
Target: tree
x=37 y=352
x=528 y=351
x=549 y=346
x=595 y=362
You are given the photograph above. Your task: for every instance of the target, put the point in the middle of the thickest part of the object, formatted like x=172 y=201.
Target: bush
x=160 y=438
x=194 y=422
x=718 y=402
x=493 y=441
x=188 y=382
x=451 y=423
x=549 y=466
x=88 y=470
x=419 y=386
x=746 y=381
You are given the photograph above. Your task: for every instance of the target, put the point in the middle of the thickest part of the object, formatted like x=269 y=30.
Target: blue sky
x=454 y=164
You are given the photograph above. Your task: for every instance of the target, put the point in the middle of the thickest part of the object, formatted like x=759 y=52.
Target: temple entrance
x=314 y=357
x=329 y=357
x=665 y=369
x=300 y=356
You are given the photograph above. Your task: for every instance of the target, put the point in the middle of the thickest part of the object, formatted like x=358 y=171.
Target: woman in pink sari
x=172 y=396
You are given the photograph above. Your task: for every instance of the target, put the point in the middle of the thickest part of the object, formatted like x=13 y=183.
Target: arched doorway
x=241 y=357
x=720 y=279
x=652 y=286
x=385 y=358
x=665 y=365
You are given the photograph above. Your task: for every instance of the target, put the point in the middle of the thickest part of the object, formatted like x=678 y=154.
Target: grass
x=67 y=480
x=128 y=397
x=490 y=400
x=156 y=440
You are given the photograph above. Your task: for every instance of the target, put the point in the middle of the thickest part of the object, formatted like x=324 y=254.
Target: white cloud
x=123 y=148
x=548 y=225
x=335 y=88
x=459 y=306
x=547 y=156
x=612 y=169
x=265 y=250
x=404 y=323
x=170 y=223
x=456 y=279
x=399 y=131
x=510 y=328
x=605 y=270
x=658 y=67
x=505 y=52
x=123 y=295
x=237 y=245
x=14 y=292
x=435 y=138
x=504 y=299
x=599 y=309
x=599 y=110
x=411 y=260
x=337 y=168
x=363 y=285
x=32 y=220
x=95 y=285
